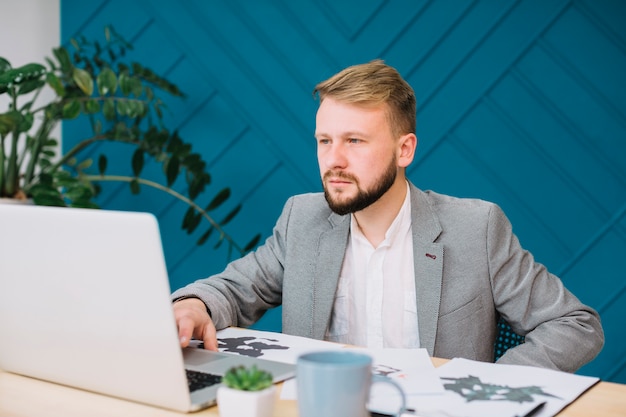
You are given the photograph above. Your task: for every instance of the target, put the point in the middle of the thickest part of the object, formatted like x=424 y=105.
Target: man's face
x=356 y=154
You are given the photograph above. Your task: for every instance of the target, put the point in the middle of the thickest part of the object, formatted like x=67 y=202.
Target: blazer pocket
x=459 y=331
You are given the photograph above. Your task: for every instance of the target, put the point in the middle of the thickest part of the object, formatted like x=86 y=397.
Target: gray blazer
x=469 y=270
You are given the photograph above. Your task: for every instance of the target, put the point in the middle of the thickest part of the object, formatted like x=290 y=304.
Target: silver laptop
x=85 y=302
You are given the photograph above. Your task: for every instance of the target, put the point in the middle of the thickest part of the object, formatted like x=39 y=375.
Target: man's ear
x=407 y=144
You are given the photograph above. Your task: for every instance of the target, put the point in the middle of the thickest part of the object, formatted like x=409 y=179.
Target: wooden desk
x=26 y=397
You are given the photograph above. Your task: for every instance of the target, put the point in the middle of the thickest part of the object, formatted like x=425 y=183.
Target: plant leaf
x=63 y=57
x=22 y=74
x=102 y=164
x=44 y=194
x=5 y=65
x=230 y=215
x=24 y=121
x=136 y=87
x=125 y=83
x=92 y=106
x=108 y=109
x=87 y=163
x=83 y=80
x=122 y=107
x=56 y=84
x=219 y=242
x=134 y=187
x=71 y=109
x=221 y=197
x=247 y=378
x=138 y=162
x=189 y=214
x=251 y=245
x=8 y=122
x=106 y=81
x=173 y=168
x=194 y=222
x=30 y=85
x=205 y=236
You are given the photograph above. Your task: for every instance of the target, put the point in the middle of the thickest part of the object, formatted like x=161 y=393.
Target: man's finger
x=209 y=336
x=185 y=331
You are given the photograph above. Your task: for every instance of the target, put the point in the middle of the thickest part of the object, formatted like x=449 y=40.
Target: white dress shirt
x=375 y=303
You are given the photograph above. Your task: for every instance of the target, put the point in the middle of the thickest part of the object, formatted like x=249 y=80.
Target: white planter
x=236 y=403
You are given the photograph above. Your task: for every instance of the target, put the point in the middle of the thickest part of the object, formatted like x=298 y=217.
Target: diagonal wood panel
x=520 y=102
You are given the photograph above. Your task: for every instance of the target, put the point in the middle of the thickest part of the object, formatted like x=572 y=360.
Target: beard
x=363 y=198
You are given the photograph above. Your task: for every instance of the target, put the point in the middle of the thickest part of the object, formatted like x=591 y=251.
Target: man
x=376 y=262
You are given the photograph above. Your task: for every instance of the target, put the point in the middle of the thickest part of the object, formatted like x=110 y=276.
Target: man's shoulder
x=452 y=208
x=309 y=197
x=309 y=201
x=309 y=204
x=309 y=211
x=460 y=215
x=442 y=200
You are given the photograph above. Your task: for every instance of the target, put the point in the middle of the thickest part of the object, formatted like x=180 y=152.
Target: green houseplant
x=122 y=101
x=246 y=392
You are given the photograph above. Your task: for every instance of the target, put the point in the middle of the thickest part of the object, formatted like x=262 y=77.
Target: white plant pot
x=237 y=403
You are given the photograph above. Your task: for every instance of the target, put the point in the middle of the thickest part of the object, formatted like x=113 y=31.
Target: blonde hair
x=372 y=84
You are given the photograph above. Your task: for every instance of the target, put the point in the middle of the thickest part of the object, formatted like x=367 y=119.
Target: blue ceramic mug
x=337 y=383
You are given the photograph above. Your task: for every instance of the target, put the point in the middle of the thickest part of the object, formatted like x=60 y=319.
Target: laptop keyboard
x=198 y=380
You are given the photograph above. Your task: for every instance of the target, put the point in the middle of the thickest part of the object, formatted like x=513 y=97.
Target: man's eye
x=354 y=140
x=324 y=141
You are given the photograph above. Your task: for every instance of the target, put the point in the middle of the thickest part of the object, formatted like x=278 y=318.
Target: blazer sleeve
x=561 y=332
x=248 y=286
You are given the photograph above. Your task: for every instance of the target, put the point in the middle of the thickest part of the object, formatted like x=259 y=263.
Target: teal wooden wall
x=520 y=102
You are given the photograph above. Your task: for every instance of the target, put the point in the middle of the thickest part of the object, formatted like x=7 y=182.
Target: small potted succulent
x=246 y=392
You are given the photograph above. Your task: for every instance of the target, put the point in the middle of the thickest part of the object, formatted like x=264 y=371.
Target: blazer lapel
x=428 y=264
x=331 y=251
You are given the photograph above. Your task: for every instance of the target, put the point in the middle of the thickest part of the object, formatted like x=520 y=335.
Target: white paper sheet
x=269 y=345
x=412 y=369
x=479 y=389
x=460 y=387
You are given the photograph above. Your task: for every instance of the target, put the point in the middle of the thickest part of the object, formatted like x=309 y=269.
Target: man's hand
x=193 y=320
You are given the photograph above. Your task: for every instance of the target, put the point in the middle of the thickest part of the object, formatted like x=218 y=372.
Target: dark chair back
x=506 y=339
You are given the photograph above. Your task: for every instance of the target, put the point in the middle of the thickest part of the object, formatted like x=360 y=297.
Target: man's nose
x=336 y=157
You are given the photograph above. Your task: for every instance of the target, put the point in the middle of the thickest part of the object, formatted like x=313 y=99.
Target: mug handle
x=387 y=380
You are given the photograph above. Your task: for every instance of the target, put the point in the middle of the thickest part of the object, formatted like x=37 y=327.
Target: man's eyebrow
x=348 y=134
x=355 y=133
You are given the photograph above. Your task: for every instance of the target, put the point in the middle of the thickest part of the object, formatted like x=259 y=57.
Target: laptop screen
x=84 y=301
